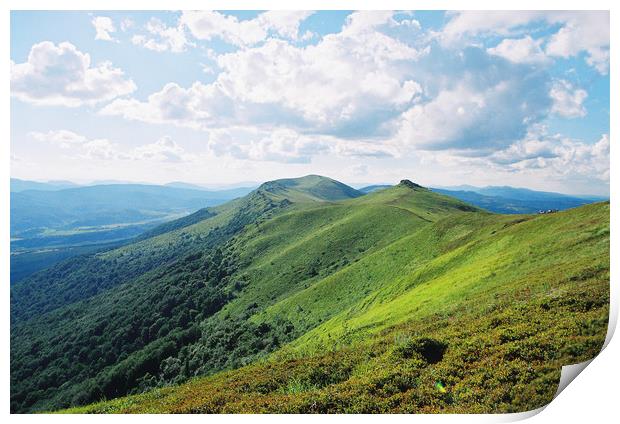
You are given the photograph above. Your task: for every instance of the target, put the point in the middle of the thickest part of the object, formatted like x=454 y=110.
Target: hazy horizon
x=253 y=184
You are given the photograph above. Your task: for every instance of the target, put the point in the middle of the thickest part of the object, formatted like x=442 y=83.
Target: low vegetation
x=306 y=296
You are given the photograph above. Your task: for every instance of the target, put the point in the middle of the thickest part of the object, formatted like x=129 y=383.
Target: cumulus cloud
x=61 y=75
x=363 y=21
x=474 y=23
x=308 y=87
x=539 y=158
x=580 y=31
x=364 y=149
x=521 y=50
x=480 y=104
x=165 y=150
x=567 y=100
x=80 y=145
x=103 y=27
x=559 y=157
x=536 y=146
x=584 y=31
x=282 y=145
x=126 y=24
x=284 y=22
x=199 y=106
x=206 y=25
x=62 y=138
x=315 y=82
x=492 y=105
x=162 y=37
x=102 y=149
x=287 y=146
x=476 y=104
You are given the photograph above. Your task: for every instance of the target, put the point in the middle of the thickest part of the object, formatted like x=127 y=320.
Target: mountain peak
x=310 y=188
x=410 y=184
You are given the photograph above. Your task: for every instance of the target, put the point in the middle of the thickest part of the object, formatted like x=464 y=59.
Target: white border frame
x=592 y=397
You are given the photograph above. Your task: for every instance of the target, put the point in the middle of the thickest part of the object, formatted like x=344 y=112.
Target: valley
x=55 y=221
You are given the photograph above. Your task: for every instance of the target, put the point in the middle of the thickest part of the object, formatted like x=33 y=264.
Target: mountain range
x=60 y=219
x=50 y=222
x=306 y=295
x=509 y=200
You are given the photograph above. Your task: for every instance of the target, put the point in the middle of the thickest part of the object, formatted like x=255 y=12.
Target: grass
x=407 y=301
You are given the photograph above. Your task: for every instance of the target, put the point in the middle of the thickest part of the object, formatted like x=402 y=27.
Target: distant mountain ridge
x=520 y=193
x=371 y=188
x=506 y=199
x=18 y=185
x=50 y=222
x=103 y=204
x=518 y=200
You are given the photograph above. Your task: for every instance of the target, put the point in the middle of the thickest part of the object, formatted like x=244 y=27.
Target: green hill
x=307 y=296
x=310 y=188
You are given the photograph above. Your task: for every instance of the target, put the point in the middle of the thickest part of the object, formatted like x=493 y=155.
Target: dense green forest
x=289 y=298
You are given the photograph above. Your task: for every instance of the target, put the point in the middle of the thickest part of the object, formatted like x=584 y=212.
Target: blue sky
x=217 y=98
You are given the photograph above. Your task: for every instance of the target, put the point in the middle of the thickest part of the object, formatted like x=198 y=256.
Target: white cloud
x=364 y=149
x=287 y=146
x=308 y=87
x=475 y=105
x=310 y=90
x=315 y=82
x=199 y=106
x=61 y=75
x=538 y=160
x=522 y=50
x=308 y=35
x=365 y=20
x=281 y=145
x=474 y=115
x=560 y=157
x=102 y=149
x=359 y=170
x=206 y=25
x=368 y=21
x=165 y=150
x=103 y=27
x=535 y=146
x=474 y=23
x=567 y=100
x=63 y=138
x=126 y=24
x=598 y=58
x=580 y=31
x=584 y=31
x=284 y=22
x=162 y=37
x=80 y=145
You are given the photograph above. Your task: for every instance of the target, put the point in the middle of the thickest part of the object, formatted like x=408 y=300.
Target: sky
x=223 y=97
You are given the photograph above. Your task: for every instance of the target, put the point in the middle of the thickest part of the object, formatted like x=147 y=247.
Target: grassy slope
x=79 y=279
x=322 y=245
x=39 y=318
x=510 y=299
